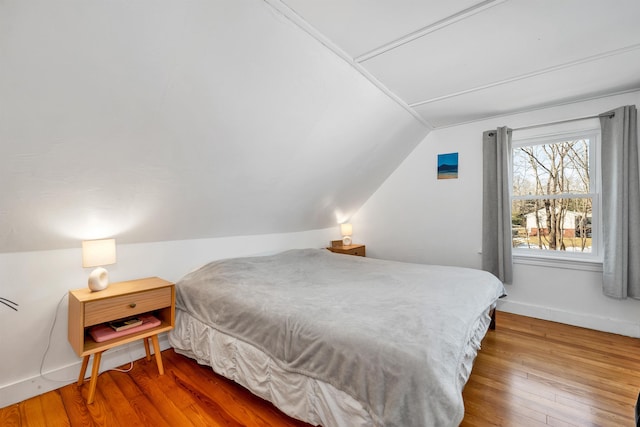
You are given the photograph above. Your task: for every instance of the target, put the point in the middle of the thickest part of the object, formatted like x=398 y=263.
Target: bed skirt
x=299 y=396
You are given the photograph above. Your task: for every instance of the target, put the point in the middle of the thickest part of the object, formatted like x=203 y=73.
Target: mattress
x=398 y=339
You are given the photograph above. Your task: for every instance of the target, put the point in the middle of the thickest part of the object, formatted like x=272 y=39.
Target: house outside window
x=555 y=200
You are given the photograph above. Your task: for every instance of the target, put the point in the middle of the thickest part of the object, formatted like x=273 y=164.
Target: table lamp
x=96 y=253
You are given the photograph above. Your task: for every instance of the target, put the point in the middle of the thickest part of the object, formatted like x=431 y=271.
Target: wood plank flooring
x=536 y=373
x=529 y=373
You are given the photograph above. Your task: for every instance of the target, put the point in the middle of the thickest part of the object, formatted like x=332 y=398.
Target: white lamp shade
x=346 y=229
x=98 y=252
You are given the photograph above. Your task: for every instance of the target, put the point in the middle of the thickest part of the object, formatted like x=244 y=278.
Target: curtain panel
x=496 y=204
x=620 y=203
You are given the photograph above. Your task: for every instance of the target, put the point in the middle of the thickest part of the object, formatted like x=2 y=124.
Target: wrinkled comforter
x=392 y=335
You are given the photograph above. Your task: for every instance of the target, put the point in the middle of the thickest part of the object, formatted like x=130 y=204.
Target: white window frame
x=581 y=261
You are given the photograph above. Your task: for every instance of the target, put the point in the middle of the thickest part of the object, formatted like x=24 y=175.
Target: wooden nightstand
x=86 y=309
x=358 y=250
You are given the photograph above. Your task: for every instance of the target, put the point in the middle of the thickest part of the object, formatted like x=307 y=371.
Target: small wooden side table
x=86 y=309
x=358 y=250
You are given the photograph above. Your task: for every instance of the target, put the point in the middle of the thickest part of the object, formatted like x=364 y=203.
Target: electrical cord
x=12 y=305
x=44 y=355
x=125 y=370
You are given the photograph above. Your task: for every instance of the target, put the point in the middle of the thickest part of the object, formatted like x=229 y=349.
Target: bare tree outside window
x=553 y=198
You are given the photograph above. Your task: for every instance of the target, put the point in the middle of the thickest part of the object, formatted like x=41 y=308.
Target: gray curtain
x=496 y=204
x=620 y=203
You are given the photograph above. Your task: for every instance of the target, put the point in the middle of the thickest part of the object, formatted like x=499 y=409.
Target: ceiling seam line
x=529 y=75
x=302 y=24
x=436 y=26
x=544 y=107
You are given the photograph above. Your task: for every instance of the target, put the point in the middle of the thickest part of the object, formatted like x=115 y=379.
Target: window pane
x=561 y=224
x=554 y=168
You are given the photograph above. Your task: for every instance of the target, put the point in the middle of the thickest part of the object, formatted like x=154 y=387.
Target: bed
x=339 y=340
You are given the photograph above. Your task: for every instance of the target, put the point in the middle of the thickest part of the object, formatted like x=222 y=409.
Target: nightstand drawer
x=357 y=251
x=108 y=309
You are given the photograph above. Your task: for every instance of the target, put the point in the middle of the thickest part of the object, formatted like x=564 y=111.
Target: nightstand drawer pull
x=132 y=305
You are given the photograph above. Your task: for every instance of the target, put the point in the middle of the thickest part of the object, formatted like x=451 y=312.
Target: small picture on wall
x=448 y=166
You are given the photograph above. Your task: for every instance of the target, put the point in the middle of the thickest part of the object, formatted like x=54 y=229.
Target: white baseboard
x=59 y=377
x=599 y=323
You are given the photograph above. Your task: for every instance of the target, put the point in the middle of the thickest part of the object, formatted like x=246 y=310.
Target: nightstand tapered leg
x=95 y=370
x=156 y=350
x=83 y=369
x=146 y=348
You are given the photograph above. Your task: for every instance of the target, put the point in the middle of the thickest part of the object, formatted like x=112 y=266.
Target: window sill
x=557 y=262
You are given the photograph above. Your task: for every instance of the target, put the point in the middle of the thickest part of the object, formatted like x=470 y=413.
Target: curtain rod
x=609 y=115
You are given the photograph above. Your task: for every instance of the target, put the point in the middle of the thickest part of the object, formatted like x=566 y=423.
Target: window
x=555 y=196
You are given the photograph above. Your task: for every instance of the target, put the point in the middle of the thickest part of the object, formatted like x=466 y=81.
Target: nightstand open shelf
x=120 y=300
x=90 y=346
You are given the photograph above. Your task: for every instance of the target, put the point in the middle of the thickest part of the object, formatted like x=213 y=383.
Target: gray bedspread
x=392 y=335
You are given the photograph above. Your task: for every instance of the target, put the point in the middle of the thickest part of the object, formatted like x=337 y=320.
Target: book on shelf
x=126 y=323
x=104 y=331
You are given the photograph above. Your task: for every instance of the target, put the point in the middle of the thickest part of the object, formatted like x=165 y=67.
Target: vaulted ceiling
x=457 y=61
x=155 y=120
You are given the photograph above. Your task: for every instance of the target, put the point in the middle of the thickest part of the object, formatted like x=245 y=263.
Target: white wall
x=38 y=281
x=415 y=217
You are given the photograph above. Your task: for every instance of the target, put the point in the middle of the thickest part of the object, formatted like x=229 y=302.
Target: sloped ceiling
x=457 y=61
x=153 y=120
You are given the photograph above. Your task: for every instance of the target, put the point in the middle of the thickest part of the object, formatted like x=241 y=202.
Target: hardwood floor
x=528 y=373
x=536 y=373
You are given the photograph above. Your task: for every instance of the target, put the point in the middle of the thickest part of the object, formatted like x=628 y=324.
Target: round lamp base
x=98 y=279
